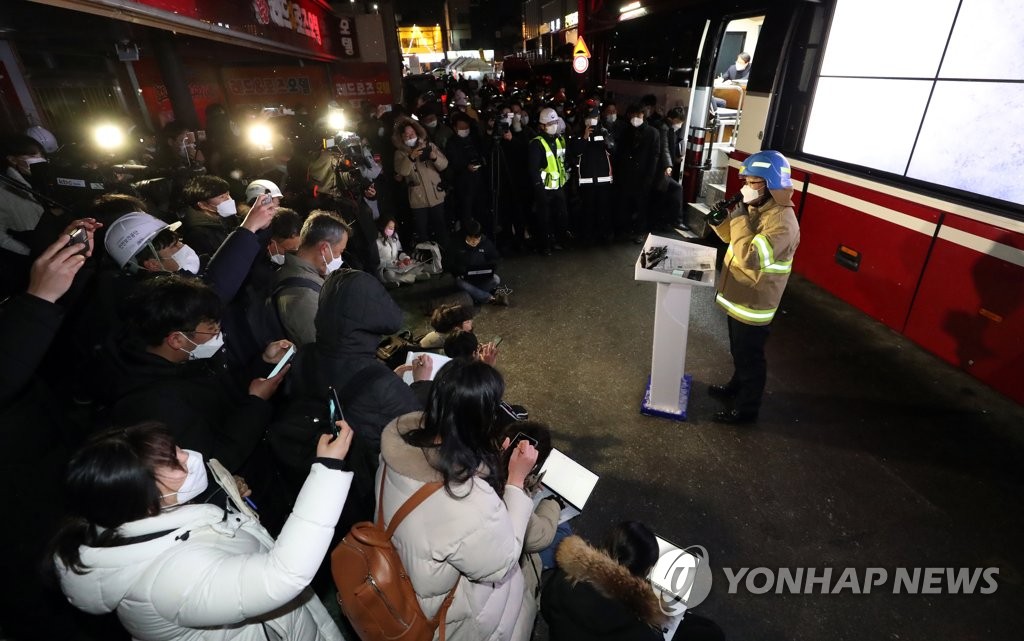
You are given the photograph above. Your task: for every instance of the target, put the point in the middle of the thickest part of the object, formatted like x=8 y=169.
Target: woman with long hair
x=470 y=534
x=179 y=557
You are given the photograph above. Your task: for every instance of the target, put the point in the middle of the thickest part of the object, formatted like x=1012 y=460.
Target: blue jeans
x=480 y=294
x=547 y=555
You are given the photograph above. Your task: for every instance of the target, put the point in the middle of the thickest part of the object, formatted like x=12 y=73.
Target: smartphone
x=284 y=361
x=334 y=413
x=387 y=108
x=267 y=199
x=79 y=237
x=496 y=341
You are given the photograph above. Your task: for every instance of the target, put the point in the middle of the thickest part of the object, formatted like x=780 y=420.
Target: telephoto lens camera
x=721 y=209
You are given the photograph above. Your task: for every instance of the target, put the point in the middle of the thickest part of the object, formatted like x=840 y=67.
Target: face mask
x=636 y=122
x=187 y=259
x=389 y=232
x=525 y=119
x=277 y=259
x=611 y=118
x=411 y=142
x=551 y=130
x=591 y=122
x=207 y=349
x=332 y=265
x=507 y=119
x=195 y=482
x=227 y=208
x=380 y=132
x=677 y=126
x=431 y=125
x=463 y=133
x=750 y=194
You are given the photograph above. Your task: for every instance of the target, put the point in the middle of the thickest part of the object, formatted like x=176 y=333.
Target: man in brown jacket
x=763 y=234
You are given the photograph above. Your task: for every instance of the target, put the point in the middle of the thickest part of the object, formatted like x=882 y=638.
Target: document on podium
x=572 y=482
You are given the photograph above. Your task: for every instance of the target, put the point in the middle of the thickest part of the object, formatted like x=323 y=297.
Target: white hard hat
x=130 y=233
x=260 y=187
x=548 y=116
x=45 y=139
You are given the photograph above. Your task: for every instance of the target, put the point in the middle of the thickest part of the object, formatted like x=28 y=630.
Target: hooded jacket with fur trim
x=591 y=597
x=422 y=177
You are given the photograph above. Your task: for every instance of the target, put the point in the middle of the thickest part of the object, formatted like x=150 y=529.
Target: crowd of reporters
x=144 y=411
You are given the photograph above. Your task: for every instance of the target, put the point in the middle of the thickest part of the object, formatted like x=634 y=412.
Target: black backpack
x=264 y=319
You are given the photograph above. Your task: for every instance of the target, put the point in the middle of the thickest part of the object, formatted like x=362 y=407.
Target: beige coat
x=475 y=540
x=422 y=178
x=762 y=243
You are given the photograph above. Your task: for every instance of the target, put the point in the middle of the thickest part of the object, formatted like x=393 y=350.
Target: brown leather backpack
x=374 y=590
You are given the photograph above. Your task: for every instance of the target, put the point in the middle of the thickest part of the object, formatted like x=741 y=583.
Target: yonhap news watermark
x=683 y=578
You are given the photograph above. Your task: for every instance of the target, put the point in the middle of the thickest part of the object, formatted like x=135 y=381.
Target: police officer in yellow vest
x=763 y=234
x=546 y=164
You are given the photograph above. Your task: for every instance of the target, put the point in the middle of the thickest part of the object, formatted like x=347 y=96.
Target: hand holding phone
x=334 y=411
x=79 y=237
x=284 y=361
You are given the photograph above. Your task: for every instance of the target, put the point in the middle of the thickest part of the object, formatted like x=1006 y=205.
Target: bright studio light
x=109 y=137
x=260 y=136
x=336 y=121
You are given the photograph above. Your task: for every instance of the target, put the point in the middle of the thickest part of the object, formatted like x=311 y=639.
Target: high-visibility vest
x=554 y=174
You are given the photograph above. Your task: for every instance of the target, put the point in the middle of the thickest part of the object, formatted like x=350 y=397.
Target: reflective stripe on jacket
x=553 y=174
x=762 y=243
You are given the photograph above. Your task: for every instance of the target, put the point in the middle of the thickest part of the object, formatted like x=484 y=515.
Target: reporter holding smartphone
x=141 y=544
x=471 y=533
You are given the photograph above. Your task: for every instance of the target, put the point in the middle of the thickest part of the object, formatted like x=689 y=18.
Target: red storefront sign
x=270 y=86
x=308 y=24
x=203 y=84
x=364 y=83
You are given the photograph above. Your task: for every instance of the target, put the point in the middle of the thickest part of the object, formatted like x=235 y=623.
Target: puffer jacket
x=590 y=597
x=475 y=540
x=203 y=572
x=762 y=242
x=422 y=178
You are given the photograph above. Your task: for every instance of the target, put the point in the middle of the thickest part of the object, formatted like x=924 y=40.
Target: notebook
x=439 y=361
x=569 y=480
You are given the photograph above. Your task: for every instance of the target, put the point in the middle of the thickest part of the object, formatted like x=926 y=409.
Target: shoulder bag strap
x=410 y=504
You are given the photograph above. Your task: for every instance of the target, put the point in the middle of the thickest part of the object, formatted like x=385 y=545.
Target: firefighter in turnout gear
x=763 y=235
x=546 y=164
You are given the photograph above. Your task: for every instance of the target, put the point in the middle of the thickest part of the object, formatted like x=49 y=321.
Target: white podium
x=685 y=266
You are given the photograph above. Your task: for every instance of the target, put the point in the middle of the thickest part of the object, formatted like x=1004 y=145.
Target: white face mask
x=750 y=194
x=277 y=259
x=411 y=142
x=636 y=122
x=463 y=133
x=677 y=126
x=611 y=118
x=430 y=125
x=334 y=264
x=525 y=119
x=552 y=129
x=187 y=259
x=591 y=122
x=205 y=350
x=380 y=132
x=227 y=208
x=195 y=482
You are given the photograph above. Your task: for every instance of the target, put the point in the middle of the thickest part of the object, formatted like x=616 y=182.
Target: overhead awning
x=304 y=28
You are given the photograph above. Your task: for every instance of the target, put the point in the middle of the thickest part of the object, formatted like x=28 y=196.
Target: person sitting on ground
x=137 y=544
x=543 y=530
x=396 y=266
x=474 y=262
x=475 y=526
x=296 y=285
x=603 y=593
x=446 y=319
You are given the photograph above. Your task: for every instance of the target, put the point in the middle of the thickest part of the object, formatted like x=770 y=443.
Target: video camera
x=350 y=159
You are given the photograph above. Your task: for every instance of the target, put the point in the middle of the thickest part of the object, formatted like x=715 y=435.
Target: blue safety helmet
x=770 y=165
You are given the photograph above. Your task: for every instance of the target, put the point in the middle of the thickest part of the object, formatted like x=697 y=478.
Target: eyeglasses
x=196 y=331
x=755 y=183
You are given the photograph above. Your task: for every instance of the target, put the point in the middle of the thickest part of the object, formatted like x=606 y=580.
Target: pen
x=249 y=502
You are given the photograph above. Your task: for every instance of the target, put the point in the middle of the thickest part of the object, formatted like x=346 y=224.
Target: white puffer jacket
x=478 y=538
x=216 y=573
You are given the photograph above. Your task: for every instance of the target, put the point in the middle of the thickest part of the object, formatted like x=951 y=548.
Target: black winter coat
x=199 y=401
x=637 y=157
x=590 y=597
